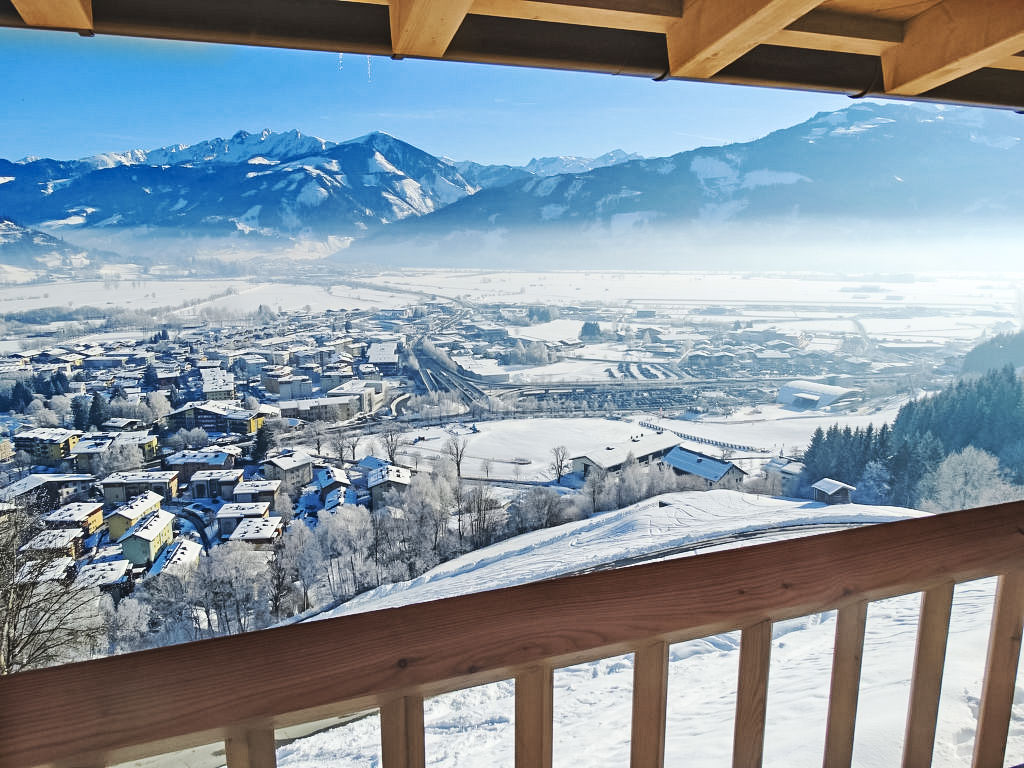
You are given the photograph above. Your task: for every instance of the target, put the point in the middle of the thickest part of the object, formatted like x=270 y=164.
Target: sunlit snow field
x=475 y=727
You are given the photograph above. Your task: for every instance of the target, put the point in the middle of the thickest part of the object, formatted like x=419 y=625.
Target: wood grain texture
x=401 y=733
x=1000 y=671
x=535 y=717
x=950 y=40
x=842 y=702
x=425 y=27
x=831 y=31
x=926 y=683
x=56 y=14
x=650 y=703
x=51 y=715
x=752 y=695
x=713 y=34
x=251 y=748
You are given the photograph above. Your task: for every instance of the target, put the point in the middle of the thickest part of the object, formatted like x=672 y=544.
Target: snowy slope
x=475 y=727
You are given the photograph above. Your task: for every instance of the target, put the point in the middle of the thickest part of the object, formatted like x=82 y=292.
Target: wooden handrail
x=162 y=700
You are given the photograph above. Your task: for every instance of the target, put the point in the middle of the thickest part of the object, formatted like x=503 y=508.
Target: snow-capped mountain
x=552 y=166
x=869 y=161
x=33 y=250
x=266 y=183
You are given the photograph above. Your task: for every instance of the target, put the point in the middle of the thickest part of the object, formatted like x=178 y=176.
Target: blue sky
x=65 y=96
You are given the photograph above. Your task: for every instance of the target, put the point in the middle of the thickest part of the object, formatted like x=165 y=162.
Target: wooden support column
x=1000 y=671
x=842 y=701
x=926 y=686
x=752 y=695
x=534 y=717
x=425 y=27
x=401 y=733
x=712 y=33
x=56 y=14
x=650 y=702
x=951 y=39
x=251 y=748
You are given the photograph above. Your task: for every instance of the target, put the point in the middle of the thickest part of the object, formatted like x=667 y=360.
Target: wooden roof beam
x=56 y=14
x=950 y=40
x=425 y=27
x=712 y=34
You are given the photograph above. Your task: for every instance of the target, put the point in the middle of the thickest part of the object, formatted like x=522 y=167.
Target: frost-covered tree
x=874 y=485
x=303 y=558
x=560 y=463
x=390 y=440
x=970 y=478
x=127 y=624
x=455 y=449
x=342 y=537
x=119 y=457
x=159 y=405
x=594 y=488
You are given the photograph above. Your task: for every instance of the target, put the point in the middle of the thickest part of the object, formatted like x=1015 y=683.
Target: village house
x=215 y=483
x=125 y=516
x=6 y=450
x=382 y=480
x=143 y=541
x=645 y=447
x=46 y=490
x=187 y=463
x=783 y=476
x=258 y=531
x=338 y=408
x=47 y=445
x=113 y=577
x=715 y=473
x=217 y=384
x=221 y=416
x=178 y=559
x=292 y=468
x=258 y=490
x=230 y=515
x=66 y=542
x=121 y=486
x=94 y=448
x=85 y=515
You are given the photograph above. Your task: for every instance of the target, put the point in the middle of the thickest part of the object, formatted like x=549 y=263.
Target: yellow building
x=47 y=445
x=127 y=515
x=143 y=541
x=87 y=515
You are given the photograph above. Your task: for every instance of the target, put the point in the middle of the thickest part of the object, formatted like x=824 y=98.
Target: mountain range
x=870 y=163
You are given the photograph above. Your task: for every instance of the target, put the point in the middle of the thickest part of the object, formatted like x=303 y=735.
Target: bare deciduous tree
x=456 y=450
x=560 y=464
x=390 y=440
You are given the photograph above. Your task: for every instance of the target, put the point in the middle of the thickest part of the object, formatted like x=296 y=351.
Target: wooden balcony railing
x=239 y=689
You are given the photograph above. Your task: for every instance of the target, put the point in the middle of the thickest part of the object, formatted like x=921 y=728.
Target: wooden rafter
x=56 y=14
x=425 y=27
x=713 y=34
x=952 y=39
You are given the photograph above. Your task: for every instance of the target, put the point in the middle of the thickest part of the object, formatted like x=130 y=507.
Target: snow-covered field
x=287 y=296
x=475 y=727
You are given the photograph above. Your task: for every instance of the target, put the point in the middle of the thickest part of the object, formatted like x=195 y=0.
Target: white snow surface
x=592 y=702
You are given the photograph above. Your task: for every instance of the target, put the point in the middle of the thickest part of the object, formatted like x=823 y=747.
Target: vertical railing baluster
x=1000 y=671
x=650 y=700
x=401 y=733
x=926 y=685
x=752 y=695
x=842 y=700
x=251 y=748
x=534 y=717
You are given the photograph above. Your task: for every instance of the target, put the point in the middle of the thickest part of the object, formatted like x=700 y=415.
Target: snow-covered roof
x=257 y=529
x=76 y=512
x=203 y=456
x=177 y=558
x=699 y=464
x=144 y=476
x=38 y=571
x=220 y=475
x=102 y=574
x=290 y=460
x=149 y=527
x=243 y=509
x=829 y=486
x=137 y=505
x=59 y=538
x=642 y=444
x=257 y=486
x=388 y=474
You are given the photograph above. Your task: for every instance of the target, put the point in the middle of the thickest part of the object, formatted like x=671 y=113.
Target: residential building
x=222 y=417
x=143 y=541
x=188 y=463
x=121 y=486
x=258 y=490
x=382 y=480
x=46 y=490
x=230 y=515
x=61 y=541
x=783 y=476
x=113 y=577
x=85 y=515
x=217 y=384
x=127 y=515
x=179 y=558
x=259 y=531
x=829 y=491
x=6 y=450
x=47 y=445
x=292 y=468
x=215 y=483
x=90 y=453
x=714 y=473
x=645 y=446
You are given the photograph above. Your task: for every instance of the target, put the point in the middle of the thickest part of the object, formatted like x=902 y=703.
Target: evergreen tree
x=99 y=411
x=21 y=396
x=150 y=380
x=874 y=485
x=261 y=445
x=80 y=411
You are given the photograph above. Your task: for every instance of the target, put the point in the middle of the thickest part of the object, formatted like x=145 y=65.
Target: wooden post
x=534 y=717
x=926 y=686
x=1000 y=671
x=401 y=733
x=650 y=701
x=842 y=700
x=251 y=748
x=752 y=695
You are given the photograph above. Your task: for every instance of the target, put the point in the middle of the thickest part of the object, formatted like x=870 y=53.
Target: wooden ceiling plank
x=712 y=34
x=572 y=13
x=425 y=27
x=1010 y=62
x=824 y=30
x=56 y=14
x=950 y=40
